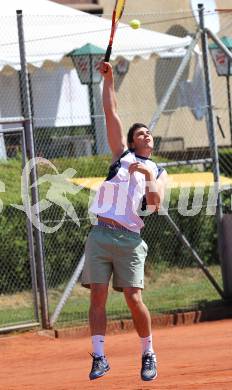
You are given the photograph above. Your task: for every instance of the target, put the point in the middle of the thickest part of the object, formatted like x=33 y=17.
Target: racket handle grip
x=108 y=53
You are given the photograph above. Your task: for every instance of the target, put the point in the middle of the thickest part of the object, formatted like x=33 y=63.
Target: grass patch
x=166 y=290
x=16 y=308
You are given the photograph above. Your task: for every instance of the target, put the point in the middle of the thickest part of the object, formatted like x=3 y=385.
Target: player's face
x=142 y=139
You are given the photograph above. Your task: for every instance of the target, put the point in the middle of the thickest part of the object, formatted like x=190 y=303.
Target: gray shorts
x=110 y=251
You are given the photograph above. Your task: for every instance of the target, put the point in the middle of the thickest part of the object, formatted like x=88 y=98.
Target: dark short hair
x=132 y=130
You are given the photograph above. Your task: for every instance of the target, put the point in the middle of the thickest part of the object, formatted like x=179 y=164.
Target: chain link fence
x=69 y=132
x=18 y=287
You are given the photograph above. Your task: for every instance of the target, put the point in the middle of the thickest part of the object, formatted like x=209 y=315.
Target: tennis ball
x=135 y=23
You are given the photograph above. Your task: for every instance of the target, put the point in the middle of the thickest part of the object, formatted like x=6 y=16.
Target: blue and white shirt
x=121 y=197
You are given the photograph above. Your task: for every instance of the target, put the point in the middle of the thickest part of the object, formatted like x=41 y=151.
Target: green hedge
x=164 y=245
x=225 y=161
x=65 y=247
x=14 y=259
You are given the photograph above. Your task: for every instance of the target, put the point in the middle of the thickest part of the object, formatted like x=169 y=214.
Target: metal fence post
x=33 y=174
x=31 y=240
x=227 y=250
x=213 y=144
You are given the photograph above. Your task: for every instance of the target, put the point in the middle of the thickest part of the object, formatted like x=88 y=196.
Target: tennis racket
x=116 y=16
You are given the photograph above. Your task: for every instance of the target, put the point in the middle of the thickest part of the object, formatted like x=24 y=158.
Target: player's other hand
x=140 y=167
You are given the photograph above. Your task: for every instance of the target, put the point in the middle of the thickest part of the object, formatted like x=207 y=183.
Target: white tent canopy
x=52 y=30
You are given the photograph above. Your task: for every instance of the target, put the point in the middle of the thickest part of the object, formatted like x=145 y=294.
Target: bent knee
x=133 y=296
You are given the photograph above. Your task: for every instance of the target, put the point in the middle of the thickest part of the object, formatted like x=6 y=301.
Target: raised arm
x=116 y=138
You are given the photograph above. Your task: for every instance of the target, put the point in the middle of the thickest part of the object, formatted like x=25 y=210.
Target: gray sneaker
x=148 y=370
x=99 y=368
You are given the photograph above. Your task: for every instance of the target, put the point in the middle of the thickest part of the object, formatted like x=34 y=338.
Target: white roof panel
x=52 y=30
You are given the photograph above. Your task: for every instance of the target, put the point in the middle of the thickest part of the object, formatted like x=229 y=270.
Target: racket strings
x=119 y=9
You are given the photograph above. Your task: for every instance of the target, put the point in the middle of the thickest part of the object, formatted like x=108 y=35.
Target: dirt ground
x=189 y=357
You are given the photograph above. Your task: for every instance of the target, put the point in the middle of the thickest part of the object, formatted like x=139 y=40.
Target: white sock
x=98 y=344
x=146 y=344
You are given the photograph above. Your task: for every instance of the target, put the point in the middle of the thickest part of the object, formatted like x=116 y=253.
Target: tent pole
x=175 y=81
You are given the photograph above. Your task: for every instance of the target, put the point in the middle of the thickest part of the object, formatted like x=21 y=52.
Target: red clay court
x=190 y=357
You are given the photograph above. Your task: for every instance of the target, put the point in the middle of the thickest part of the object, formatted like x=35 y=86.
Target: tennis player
x=135 y=185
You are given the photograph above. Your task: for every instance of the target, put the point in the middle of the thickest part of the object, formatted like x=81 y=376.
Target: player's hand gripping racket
x=116 y=16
